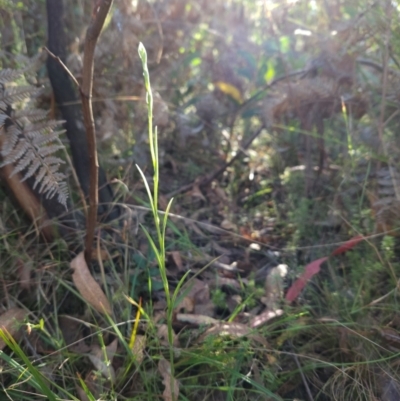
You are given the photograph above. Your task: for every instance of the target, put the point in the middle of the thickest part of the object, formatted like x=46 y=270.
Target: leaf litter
x=171 y=385
x=102 y=358
x=88 y=287
x=10 y=321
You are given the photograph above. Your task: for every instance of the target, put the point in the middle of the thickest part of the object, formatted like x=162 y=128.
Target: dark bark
x=70 y=107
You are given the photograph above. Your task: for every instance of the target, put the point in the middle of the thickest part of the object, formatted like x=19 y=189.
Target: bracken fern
x=28 y=140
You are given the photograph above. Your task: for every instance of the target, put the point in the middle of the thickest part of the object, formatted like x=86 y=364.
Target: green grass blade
x=39 y=378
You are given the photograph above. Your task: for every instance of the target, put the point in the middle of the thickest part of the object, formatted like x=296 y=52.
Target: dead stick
x=99 y=14
x=66 y=69
x=208 y=178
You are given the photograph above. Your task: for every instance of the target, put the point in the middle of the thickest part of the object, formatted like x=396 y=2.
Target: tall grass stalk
x=158 y=245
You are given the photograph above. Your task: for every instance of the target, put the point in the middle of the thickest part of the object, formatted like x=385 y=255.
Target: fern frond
x=33 y=115
x=12 y=139
x=29 y=139
x=9 y=75
x=17 y=94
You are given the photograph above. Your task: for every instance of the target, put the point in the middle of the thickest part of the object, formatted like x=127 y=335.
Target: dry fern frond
x=29 y=140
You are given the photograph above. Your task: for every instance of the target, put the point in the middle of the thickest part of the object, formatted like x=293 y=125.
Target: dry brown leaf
x=111 y=349
x=138 y=347
x=102 y=360
x=10 y=321
x=171 y=391
x=196 y=192
x=176 y=256
x=70 y=329
x=88 y=286
x=24 y=274
x=220 y=192
x=207 y=309
x=160 y=314
x=79 y=347
x=81 y=394
x=160 y=306
x=199 y=291
x=162 y=333
x=72 y=333
x=186 y=305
